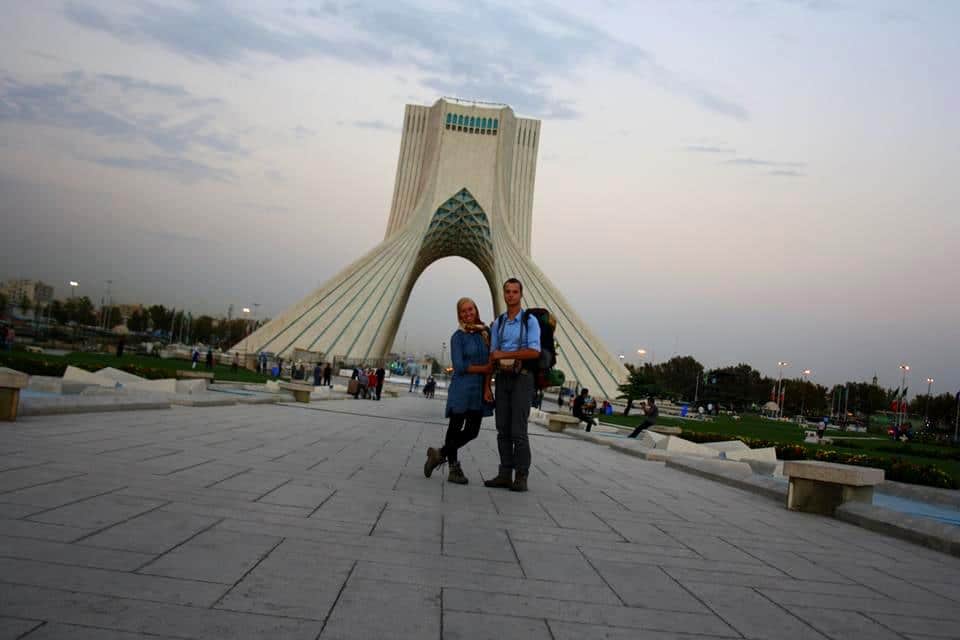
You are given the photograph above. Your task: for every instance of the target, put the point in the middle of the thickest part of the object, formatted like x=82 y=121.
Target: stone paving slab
x=315 y=521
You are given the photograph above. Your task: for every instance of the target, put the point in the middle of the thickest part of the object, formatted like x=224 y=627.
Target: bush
x=896 y=469
x=940 y=452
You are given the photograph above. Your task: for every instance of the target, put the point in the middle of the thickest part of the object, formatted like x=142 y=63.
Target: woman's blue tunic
x=466 y=389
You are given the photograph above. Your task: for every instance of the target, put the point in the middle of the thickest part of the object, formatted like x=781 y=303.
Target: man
x=650 y=412
x=514 y=351
x=327 y=375
x=381 y=375
x=582 y=408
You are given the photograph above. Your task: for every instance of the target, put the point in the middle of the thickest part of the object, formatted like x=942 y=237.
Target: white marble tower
x=464 y=187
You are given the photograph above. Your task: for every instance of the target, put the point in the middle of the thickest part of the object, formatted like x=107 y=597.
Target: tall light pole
x=803 y=391
x=901 y=414
x=246 y=332
x=73 y=285
x=926 y=409
x=780 y=365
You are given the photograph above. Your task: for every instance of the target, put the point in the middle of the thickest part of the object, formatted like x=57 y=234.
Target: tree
x=641 y=383
x=137 y=321
x=25 y=304
x=678 y=376
x=738 y=387
x=4 y=301
x=203 y=330
x=159 y=317
x=114 y=317
x=59 y=312
x=80 y=310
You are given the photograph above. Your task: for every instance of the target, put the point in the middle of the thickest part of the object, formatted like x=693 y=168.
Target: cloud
x=754 y=162
x=522 y=52
x=378 y=125
x=699 y=148
x=787 y=173
x=130 y=84
x=184 y=169
x=105 y=105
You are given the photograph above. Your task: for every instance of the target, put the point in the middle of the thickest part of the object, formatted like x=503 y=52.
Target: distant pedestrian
x=373 y=381
x=327 y=375
x=416 y=383
x=650 y=413
x=381 y=376
x=317 y=374
x=11 y=338
x=413 y=379
x=209 y=357
x=195 y=358
x=120 y=345
x=236 y=362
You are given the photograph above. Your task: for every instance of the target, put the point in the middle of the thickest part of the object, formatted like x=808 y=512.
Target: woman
x=469 y=397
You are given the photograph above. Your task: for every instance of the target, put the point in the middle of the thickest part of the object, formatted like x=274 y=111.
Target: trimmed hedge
x=896 y=468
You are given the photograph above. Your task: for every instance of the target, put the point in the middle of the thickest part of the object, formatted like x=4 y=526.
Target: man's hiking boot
x=455 y=475
x=502 y=481
x=434 y=460
x=519 y=482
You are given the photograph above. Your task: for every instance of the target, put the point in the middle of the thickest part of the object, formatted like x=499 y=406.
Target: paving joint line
x=323 y=502
x=177 y=546
x=192 y=466
x=377 y=521
x=336 y=600
x=29 y=516
x=40 y=484
x=124 y=521
x=230 y=477
x=601 y=576
x=279 y=486
x=516 y=555
x=703 y=602
x=246 y=573
x=789 y=613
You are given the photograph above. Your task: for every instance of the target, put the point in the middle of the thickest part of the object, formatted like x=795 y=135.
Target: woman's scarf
x=482 y=329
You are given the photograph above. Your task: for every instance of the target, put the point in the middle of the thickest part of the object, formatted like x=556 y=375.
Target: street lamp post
x=803 y=392
x=901 y=414
x=780 y=365
x=246 y=332
x=73 y=296
x=926 y=409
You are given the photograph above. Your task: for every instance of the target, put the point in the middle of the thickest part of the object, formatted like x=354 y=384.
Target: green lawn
x=749 y=426
x=148 y=366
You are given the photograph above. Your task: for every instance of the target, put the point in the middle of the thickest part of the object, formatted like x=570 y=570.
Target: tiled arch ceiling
x=459 y=227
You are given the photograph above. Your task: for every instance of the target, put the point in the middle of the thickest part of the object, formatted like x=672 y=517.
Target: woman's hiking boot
x=519 y=482
x=434 y=460
x=502 y=481
x=455 y=475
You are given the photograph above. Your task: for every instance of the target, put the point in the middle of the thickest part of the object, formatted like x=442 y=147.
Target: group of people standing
x=508 y=349
x=369 y=382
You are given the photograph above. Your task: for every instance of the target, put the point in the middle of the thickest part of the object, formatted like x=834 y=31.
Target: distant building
x=36 y=292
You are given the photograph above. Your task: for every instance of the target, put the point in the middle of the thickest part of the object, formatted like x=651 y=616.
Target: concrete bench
x=557 y=422
x=190 y=374
x=11 y=381
x=301 y=392
x=667 y=431
x=821 y=487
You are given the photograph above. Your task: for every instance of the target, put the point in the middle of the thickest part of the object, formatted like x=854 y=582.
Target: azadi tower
x=464 y=188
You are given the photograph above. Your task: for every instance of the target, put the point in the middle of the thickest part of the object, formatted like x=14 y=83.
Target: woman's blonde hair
x=461 y=302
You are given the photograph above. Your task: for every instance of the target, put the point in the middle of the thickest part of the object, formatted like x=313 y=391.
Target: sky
x=742 y=181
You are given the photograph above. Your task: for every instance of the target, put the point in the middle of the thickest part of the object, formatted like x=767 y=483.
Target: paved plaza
x=315 y=521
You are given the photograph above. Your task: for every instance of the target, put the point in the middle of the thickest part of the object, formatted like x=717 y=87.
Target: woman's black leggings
x=463 y=428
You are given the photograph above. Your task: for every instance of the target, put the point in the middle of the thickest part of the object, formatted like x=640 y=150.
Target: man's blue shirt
x=510 y=340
